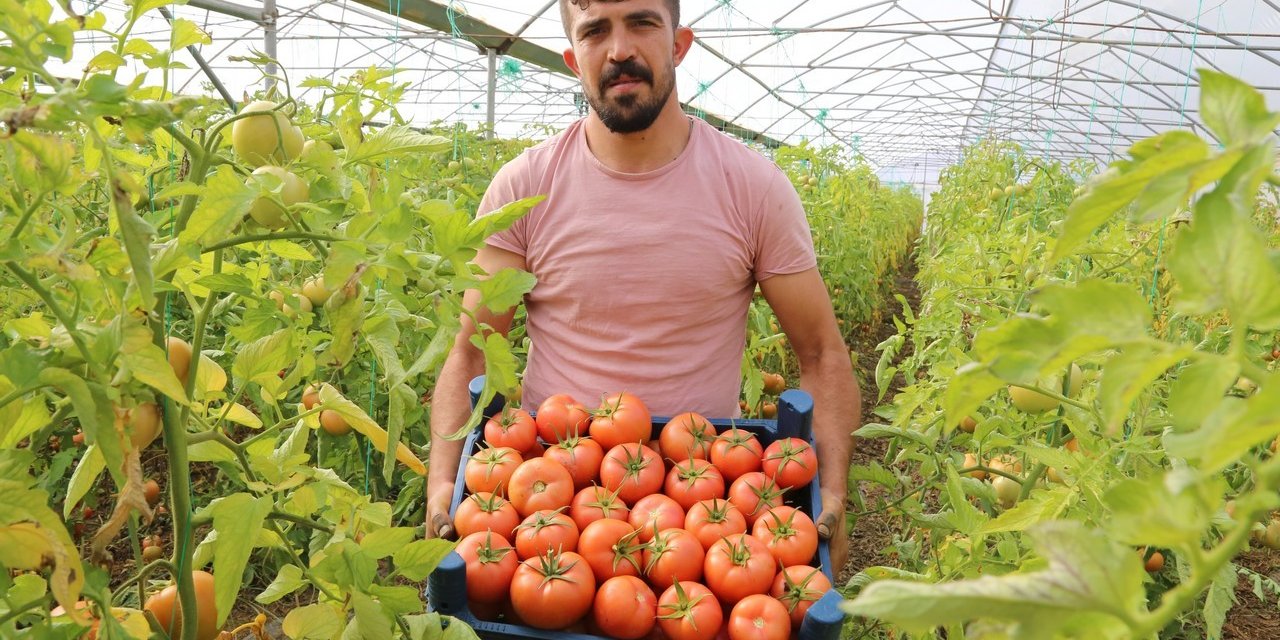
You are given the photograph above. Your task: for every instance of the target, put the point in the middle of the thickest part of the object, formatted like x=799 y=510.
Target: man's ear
x=571 y=60
x=683 y=43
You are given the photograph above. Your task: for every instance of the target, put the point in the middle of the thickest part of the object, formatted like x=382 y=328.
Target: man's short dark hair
x=673 y=7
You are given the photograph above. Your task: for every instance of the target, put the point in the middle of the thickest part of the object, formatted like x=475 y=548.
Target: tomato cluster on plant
x=579 y=519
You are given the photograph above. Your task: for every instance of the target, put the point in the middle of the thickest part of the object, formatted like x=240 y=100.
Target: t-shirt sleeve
x=503 y=190
x=784 y=244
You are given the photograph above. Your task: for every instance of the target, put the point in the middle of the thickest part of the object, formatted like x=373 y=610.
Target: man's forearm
x=836 y=415
x=450 y=407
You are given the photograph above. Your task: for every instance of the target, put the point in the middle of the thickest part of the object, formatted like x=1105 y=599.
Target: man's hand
x=832 y=528
x=439 y=496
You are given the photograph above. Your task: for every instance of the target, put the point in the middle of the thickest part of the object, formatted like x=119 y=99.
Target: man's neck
x=642 y=151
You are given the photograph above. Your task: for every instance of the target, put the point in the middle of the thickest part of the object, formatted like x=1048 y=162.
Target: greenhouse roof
x=905 y=84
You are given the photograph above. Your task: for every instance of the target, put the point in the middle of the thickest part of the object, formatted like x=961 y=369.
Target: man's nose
x=621 y=46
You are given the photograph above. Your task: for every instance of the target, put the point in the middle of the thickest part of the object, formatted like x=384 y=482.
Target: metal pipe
x=269 y=17
x=228 y=8
x=493 y=91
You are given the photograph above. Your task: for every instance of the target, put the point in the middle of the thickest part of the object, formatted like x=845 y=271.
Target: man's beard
x=628 y=113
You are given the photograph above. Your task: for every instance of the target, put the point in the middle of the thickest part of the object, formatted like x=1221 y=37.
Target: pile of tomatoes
x=579 y=520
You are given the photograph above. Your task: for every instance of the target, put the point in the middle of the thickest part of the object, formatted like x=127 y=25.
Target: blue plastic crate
x=447 y=585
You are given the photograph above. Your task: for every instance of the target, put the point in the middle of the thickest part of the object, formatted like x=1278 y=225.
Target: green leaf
x=1148 y=512
x=264 y=357
x=504 y=290
x=491 y=222
x=149 y=363
x=184 y=33
x=401 y=401
x=225 y=203
x=1233 y=428
x=1199 y=389
x=1087 y=573
x=398 y=600
x=288 y=580
x=227 y=283
x=500 y=364
x=313 y=622
x=370 y=621
x=347 y=566
x=94 y=409
x=965 y=517
x=1221 y=263
x=1126 y=376
x=1115 y=188
x=381 y=543
x=1039 y=507
x=238 y=519
x=104 y=61
x=137 y=235
x=418 y=559
x=1221 y=597
x=1233 y=110
x=969 y=388
x=397 y=140
x=21 y=419
x=1169 y=192
x=83 y=478
x=345 y=313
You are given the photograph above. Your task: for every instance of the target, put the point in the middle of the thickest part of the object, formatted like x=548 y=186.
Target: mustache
x=629 y=68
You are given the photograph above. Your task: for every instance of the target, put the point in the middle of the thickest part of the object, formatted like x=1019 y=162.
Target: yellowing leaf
x=240 y=414
x=361 y=422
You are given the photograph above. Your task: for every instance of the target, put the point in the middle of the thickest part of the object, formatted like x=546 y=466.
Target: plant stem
x=22 y=609
x=30 y=280
x=261 y=237
x=299 y=520
x=26 y=215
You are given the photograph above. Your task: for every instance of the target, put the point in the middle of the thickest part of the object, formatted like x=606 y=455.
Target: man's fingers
x=442 y=526
x=826 y=525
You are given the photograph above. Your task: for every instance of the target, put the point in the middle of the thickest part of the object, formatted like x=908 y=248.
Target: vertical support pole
x=493 y=90
x=269 y=16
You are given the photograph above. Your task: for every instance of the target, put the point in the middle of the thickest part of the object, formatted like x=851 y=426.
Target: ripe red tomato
x=711 y=520
x=633 y=470
x=736 y=452
x=535 y=451
x=491 y=563
x=513 y=428
x=545 y=531
x=791 y=462
x=597 y=503
x=754 y=494
x=688 y=435
x=540 y=484
x=759 y=617
x=612 y=548
x=581 y=456
x=625 y=608
x=552 y=591
x=673 y=555
x=621 y=419
x=655 y=512
x=689 y=611
x=798 y=588
x=737 y=566
x=485 y=512
x=692 y=481
x=560 y=416
x=490 y=470
x=789 y=534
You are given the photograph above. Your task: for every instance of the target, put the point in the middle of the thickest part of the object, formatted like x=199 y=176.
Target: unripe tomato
x=151 y=491
x=164 y=606
x=333 y=423
x=257 y=139
x=315 y=291
x=266 y=211
x=310 y=397
x=179 y=357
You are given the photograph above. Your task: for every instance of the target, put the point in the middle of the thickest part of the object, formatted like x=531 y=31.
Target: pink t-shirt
x=644 y=280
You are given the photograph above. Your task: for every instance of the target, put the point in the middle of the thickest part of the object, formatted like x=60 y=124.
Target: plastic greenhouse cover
x=906 y=84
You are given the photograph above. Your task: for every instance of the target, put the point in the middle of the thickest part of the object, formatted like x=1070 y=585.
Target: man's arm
x=450 y=401
x=805 y=314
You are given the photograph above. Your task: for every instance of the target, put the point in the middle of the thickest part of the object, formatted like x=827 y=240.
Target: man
x=655 y=232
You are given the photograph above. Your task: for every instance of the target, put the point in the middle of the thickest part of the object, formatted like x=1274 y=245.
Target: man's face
x=625 y=55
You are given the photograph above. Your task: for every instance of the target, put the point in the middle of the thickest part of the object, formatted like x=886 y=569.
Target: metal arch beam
x=485 y=36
